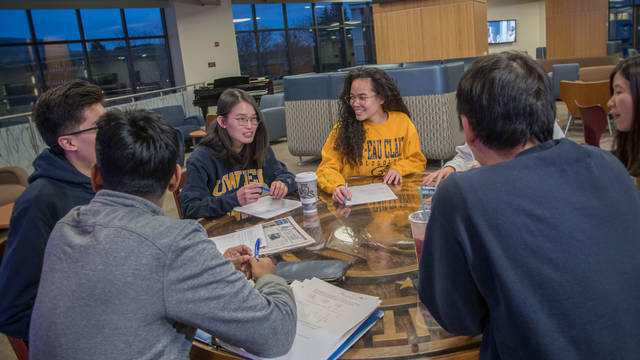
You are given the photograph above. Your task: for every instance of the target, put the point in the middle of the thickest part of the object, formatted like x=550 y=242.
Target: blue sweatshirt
x=212 y=183
x=54 y=188
x=540 y=254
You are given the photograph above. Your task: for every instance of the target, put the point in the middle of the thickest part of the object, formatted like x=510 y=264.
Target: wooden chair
x=584 y=92
x=199 y=134
x=594 y=121
x=176 y=193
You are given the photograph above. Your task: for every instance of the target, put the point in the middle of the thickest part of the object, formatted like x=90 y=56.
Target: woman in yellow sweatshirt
x=373 y=137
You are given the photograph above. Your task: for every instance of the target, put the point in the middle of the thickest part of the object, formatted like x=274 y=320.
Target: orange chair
x=584 y=92
x=594 y=121
x=176 y=193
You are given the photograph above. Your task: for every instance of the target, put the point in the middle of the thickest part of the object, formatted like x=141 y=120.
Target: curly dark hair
x=626 y=145
x=351 y=133
x=218 y=141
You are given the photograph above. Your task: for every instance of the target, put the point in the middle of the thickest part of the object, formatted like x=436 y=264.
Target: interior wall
x=576 y=28
x=198 y=28
x=530 y=23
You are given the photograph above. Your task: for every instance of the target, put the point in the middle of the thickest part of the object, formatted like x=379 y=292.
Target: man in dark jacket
x=538 y=248
x=65 y=117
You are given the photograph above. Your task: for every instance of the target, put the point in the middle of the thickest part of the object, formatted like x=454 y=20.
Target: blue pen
x=257 y=252
x=264 y=188
x=346 y=188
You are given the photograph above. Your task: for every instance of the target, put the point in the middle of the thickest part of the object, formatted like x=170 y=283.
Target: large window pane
x=247 y=53
x=54 y=25
x=108 y=62
x=143 y=22
x=14 y=27
x=299 y=15
x=358 y=46
x=329 y=14
x=302 y=44
x=62 y=62
x=18 y=79
x=273 y=49
x=356 y=13
x=242 y=17
x=269 y=16
x=151 y=64
x=331 y=51
x=102 y=23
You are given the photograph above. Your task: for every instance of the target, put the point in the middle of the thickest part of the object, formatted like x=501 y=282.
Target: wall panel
x=576 y=28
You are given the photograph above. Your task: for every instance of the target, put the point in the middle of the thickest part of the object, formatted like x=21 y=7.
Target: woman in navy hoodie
x=233 y=162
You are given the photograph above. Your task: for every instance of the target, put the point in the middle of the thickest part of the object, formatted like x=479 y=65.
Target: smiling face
x=364 y=101
x=621 y=103
x=241 y=124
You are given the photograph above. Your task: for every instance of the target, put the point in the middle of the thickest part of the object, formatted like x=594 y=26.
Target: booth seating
x=595 y=73
x=272 y=109
x=312 y=107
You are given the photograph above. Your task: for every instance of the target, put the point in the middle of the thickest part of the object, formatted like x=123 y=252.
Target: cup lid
x=418 y=216
x=306 y=176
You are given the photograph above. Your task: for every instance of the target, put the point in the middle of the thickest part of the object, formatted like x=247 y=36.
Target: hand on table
x=278 y=189
x=240 y=256
x=260 y=267
x=341 y=193
x=249 y=193
x=438 y=176
x=392 y=177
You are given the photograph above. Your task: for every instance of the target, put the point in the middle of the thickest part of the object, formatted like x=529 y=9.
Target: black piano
x=208 y=95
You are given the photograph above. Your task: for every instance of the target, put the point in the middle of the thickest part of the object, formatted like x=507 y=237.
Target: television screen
x=501 y=31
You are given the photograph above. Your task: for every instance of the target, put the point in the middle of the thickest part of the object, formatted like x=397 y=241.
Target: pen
x=264 y=188
x=346 y=188
x=257 y=252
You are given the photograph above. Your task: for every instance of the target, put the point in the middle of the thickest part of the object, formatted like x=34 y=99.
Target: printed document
x=267 y=207
x=276 y=236
x=369 y=193
x=327 y=316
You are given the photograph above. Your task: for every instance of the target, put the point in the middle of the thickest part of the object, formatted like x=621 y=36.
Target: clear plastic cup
x=418 y=228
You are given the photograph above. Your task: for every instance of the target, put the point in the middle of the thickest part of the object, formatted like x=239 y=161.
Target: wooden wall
x=576 y=28
x=416 y=30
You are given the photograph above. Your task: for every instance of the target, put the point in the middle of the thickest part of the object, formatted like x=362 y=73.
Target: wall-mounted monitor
x=501 y=31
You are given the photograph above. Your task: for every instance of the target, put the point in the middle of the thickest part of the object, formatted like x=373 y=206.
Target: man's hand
x=438 y=176
x=249 y=194
x=260 y=267
x=341 y=193
x=392 y=177
x=240 y=256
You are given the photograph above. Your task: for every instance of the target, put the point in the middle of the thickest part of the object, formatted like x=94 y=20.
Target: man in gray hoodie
x=122 y=281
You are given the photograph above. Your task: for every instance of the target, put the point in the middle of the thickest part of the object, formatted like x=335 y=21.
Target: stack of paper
x=330 y=320
x=364 y=194
x=267 y=207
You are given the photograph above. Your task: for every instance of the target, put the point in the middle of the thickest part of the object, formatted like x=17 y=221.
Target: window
x=281 y=39
x=122 y=50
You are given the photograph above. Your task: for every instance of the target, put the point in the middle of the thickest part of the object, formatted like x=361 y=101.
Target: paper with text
x=267 y=207
x=246 y=237
x=369 y=193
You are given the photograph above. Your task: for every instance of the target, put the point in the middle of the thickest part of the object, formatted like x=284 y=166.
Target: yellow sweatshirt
x=393 y=144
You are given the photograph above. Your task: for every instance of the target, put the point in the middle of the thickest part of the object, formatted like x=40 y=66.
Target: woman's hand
x=249 y=194
x=438 y=176
x=340 y=194
x=278 y=189
x=392 y=177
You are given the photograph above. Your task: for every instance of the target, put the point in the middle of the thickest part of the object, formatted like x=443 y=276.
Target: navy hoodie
x=55 y=187
x=212 y=183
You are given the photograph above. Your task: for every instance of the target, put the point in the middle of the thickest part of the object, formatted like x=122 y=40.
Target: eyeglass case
x=329 y=270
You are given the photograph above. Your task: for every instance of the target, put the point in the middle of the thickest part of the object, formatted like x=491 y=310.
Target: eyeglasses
x=80 y=131
x=254 y=120
x=360 y=99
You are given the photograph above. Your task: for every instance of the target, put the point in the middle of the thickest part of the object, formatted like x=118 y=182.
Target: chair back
x=594 y=121
x=271 y=101
x=210 y=118
x=19 y=348
x=584 y=92
x=176 y=192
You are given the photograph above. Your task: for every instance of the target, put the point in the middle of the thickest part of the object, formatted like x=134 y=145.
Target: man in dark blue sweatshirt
x=65 y=117
x=538 y=248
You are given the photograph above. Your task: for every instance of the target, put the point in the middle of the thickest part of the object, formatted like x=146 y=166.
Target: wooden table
x=377 y=239
x=5 y=215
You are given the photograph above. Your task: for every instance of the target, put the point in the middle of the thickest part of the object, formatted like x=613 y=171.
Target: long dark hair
x=351 y=134
x=218 y=141
x=626 y=145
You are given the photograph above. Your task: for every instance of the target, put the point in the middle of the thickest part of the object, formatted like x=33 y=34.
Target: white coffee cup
x=308 y=191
